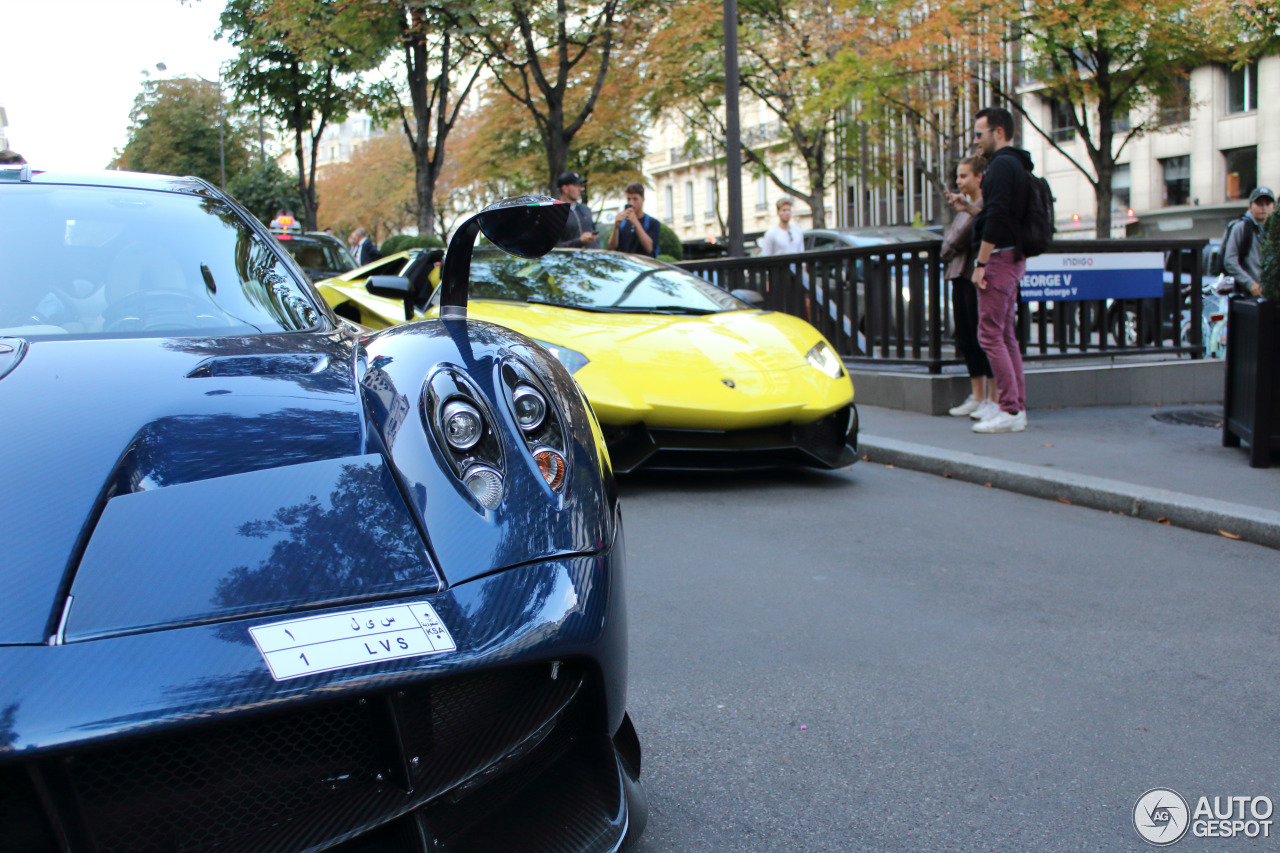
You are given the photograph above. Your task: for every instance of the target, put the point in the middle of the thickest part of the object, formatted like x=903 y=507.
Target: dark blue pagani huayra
x=269 y=583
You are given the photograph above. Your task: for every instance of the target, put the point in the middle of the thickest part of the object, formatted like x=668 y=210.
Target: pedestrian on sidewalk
x=958 y=253
x=1242 y=248
x=783 y=238
x=579 y=228
x=1000 y=264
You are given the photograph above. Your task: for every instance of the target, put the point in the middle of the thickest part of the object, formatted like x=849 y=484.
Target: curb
x=1236 y=521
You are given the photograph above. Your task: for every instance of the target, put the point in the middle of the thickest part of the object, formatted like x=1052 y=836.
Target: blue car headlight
x=824 y=358
x=570 y=358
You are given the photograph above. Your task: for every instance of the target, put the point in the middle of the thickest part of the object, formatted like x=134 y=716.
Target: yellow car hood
x=731 y=370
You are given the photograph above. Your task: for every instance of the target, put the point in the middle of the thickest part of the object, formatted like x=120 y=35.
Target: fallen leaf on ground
x=988 y=485
x=1229 y=535
x=888 y=464
x=1163 y=520
x=866 y=458
x=1042 y=444
x=1063 y=501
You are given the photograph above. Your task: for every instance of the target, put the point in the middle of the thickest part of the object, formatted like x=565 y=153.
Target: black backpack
x=1038 y=229
x=1246 y=239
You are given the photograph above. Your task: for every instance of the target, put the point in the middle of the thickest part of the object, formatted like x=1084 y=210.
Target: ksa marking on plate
x=352 y=638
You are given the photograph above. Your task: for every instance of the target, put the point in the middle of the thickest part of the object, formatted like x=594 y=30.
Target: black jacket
x=1006 y=189
x=578 y=223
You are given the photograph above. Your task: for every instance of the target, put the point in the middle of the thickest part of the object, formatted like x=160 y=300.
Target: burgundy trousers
x=998 y=325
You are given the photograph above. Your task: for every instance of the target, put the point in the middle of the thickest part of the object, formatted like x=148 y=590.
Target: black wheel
x=1123 y=325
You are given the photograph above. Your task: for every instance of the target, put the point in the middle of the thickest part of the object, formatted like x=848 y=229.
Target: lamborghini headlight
x=824 y=358
x=570 y=358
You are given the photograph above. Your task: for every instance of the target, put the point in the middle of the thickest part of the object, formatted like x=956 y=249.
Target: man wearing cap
x=579 y=230
x=1241 y=251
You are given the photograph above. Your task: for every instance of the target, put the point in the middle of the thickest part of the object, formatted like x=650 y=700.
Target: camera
x=627 y=207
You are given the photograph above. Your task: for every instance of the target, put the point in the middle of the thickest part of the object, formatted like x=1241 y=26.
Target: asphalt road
x=881 y=660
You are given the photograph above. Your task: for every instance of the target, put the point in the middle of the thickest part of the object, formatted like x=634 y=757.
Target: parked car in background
x=319 y=254
x=822 y=239
x=275 y=583
x=680 y=373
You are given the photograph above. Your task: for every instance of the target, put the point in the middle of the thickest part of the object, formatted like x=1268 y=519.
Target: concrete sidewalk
x=1151 y=462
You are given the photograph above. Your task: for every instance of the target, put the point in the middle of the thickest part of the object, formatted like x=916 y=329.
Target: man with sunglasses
x=1000 y=265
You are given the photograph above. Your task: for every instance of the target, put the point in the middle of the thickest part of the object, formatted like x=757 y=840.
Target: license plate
x=352 y=638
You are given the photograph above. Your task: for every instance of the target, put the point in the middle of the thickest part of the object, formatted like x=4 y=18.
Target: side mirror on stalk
x=525 y=226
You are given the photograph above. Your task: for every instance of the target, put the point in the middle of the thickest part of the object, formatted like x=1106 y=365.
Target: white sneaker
x=1002 y=421
x=968 y=407
x=985 y=410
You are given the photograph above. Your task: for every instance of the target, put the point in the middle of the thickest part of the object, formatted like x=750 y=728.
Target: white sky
x=70 y=69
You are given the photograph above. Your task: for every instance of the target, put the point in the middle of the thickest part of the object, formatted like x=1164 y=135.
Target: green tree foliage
x=505 y=155
x=783 y=48
x=298 y=71
x=911 y=86
x=552 y=57
x=401 y=242
x=1270 y=279
x=1110 y=65
x=264 y=189
x=437 y=68
x=174 y=131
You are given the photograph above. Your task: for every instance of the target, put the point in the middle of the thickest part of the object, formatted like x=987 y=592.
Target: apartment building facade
x=1185 y=179
x=1189 y=176
x=685 y=174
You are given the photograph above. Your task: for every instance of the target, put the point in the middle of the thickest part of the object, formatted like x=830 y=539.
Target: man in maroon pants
x=1000 y=265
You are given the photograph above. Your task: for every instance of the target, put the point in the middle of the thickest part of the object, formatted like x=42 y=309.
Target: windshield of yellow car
x=85 y=261
x=596 y=281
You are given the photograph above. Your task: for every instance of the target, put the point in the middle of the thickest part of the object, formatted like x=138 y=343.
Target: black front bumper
x=830 y=442
x=503 y=760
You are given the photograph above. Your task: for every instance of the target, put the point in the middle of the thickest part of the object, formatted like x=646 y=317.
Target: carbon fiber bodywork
x=830 y=442
x=162 y=496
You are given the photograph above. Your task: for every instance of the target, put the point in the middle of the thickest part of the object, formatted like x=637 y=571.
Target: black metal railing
x=890 y=305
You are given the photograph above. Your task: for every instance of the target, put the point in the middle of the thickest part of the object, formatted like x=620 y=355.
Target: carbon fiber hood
x=90 y=419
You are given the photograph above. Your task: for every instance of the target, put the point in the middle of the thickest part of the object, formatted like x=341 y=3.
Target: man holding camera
x=634 y=230
x=579 y=229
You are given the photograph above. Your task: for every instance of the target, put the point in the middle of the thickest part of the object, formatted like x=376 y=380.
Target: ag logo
x=1161 y=816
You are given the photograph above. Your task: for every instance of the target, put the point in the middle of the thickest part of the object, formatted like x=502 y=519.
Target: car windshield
x=109 y=262
x=596 y=281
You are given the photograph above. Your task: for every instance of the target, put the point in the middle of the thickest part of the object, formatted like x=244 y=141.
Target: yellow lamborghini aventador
x=681 y=374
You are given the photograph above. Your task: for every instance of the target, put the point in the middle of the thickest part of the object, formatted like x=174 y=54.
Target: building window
x=1175 y=107
x=1242 y=89
x=712 y=198
x=762 y=193
x=688 y=201
x=1242 y=171
x=788 y=174
x=1177 y=180
x=669 y=202
x=1062 y=125
x=1121 y=182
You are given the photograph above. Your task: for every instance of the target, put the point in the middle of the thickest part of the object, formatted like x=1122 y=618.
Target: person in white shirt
x=783 y=238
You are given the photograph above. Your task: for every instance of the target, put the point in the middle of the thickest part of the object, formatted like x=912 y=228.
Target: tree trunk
x=1102 y=200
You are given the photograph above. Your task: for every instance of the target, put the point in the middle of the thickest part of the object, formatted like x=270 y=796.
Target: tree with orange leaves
x=374 y=189
x=1110 y=65
x=503 y=150
x=552 y=58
